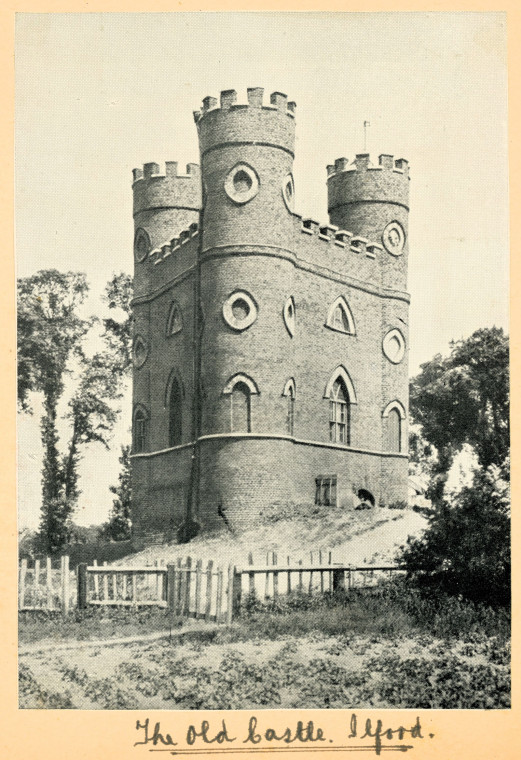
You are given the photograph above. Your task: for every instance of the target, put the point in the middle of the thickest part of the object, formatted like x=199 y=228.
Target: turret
x=165 y=203
x=372 y=202
x=247 y=155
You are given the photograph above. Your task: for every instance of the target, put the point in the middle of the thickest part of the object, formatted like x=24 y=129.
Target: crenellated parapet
x=362 y=163
x=161 y=253
x=155 y=188
x=330 y=235
x=362 y=180
x=226 y=121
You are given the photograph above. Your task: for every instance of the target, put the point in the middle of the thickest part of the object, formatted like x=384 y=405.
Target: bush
x=466 y=549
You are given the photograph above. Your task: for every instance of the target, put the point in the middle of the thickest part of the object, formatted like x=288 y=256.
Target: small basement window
x=325 y=491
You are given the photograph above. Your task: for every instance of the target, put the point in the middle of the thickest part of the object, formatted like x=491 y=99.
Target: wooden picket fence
x=318 y=574
x=47 y=585
x=188 y=588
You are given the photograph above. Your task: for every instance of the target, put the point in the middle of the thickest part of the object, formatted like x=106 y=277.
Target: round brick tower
x=164 y=205
x=372 y=202
x=247 y=252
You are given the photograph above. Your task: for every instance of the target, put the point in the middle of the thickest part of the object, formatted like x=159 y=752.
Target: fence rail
x=187 y=588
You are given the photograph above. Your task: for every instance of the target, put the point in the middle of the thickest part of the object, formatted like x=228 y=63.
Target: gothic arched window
x=175 y=320
x=339 y=415
x=393 y=417
x=240 y=408
x=290 y=393
x=393 y=432
x=140 y=431
x=240 y=388
x=340 y=318
x=175 y=413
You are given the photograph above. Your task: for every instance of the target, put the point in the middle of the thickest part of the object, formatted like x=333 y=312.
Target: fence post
x=209 y=581
x=105 y=584
x=236 y=591
x=187 y=587
x=82 y=585
x=21 y=585
x=229 y=600
x=171 y=590
x=96 y=580
x=198 y=582
x=65 y=583
x=251 y=587
x=219 y=595
x=339 y=580
x=50 y=599
x=274 y=559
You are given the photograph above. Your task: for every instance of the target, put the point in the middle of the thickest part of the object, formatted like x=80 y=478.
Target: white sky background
x=100 y=94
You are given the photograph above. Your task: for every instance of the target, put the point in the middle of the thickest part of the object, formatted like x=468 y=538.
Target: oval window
x=393 y=238
x=242 y=183
x=142 y=244
x=288 y=192
x=240 y=310
x=394 y=346
x=289 y=315
x=139 y=351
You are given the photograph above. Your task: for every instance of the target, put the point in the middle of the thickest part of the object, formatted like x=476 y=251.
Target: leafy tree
x=466 y=548
x=119 y=524
x=118 y=337
x=118 y=332
x=464 y=398
x=51 y=333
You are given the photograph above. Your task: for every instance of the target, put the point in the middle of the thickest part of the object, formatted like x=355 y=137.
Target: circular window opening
x=288 y=314
x=288 y=192
x=141 y=245
x=393 y=238
x=139 y=353
x=240 y=309
x=394 y=346
x=242 y=182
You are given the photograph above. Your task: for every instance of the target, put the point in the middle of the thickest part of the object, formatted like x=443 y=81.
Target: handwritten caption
x=373 y=735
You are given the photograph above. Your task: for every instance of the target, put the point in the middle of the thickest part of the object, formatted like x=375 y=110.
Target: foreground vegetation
x=388 y=648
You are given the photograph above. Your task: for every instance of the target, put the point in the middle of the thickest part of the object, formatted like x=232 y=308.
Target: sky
x=100 y=94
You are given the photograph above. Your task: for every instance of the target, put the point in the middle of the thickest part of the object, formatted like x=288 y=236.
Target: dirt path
x=53 y=646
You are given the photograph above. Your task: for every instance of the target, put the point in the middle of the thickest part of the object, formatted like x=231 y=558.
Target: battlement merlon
x=362 y=181
x=247 y=123
x=363 y=163
x=154 y=188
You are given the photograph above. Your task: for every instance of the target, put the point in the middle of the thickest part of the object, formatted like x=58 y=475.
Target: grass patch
x=385 y=647
x=393 y=608
x=92 y=623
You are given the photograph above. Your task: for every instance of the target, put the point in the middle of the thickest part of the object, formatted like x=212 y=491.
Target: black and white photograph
x=262 y=285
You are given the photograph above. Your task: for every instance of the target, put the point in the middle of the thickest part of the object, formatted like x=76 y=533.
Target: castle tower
x=270 y=351
x=247 y=272
x=372 y=201
x=164 y=205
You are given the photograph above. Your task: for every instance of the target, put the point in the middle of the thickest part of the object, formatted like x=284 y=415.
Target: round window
x=394 y=346
x=141 y=244
x=240 y=310
x=288 y=192
x=139 y=351
x=241 y=184
x=393 y=238
x=288 y=314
